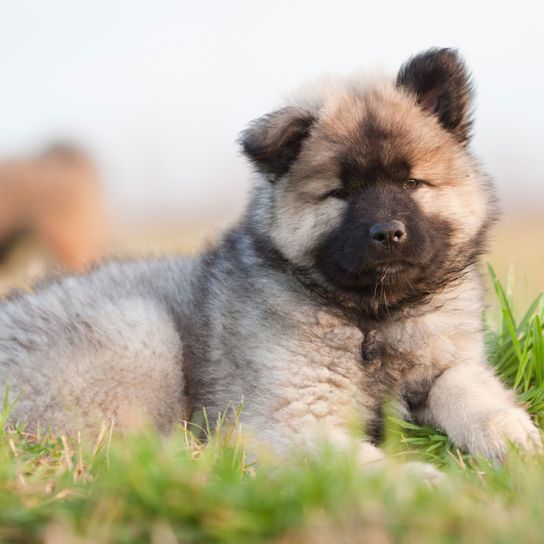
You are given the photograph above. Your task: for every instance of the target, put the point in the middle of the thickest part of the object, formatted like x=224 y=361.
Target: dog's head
x=370 y=187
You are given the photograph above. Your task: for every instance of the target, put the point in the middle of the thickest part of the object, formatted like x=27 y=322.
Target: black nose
x=388 y=234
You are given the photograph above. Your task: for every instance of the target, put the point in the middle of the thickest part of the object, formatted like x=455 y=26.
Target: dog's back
x=100 y=346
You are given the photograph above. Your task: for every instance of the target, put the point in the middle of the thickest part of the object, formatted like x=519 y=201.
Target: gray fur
x=252 y=319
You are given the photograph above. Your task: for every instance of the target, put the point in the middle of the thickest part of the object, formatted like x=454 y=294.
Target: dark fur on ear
x=441 y=82
x=273 y=142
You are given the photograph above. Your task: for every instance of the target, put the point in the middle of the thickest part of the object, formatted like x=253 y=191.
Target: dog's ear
x=274 y=141
x=441 y=83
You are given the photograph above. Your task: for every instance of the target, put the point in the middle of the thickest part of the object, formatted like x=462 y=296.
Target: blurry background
x=154 y=93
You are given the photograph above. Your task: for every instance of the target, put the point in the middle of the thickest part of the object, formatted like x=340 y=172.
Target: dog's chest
x=332 y=370
x=376 y=361
x=390 y=352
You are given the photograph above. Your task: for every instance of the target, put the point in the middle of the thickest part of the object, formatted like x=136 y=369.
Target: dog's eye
x=336 y=193
x=411 y=183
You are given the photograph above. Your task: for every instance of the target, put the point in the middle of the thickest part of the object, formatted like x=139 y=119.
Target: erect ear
x=442 y=85
x=273 y=142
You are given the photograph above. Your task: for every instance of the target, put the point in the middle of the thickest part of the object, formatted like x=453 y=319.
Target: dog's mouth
x=396 y=273
x=380 y=268
x=391 y=267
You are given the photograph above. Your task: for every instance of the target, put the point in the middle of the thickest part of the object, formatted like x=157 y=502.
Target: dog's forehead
x=373 y=133
x=376 y=147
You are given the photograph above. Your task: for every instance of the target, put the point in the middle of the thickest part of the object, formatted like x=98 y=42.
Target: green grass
x=144 y=488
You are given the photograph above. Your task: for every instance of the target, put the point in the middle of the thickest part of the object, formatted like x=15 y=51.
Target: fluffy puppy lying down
x=350 y=278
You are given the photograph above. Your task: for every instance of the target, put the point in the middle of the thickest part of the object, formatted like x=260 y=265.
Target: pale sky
x=159 y=90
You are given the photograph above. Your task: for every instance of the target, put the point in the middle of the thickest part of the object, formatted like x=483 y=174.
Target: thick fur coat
x=351 y=279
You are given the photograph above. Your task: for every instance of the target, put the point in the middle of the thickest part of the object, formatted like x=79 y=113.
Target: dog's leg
x=313 y=439
x=479 y=415
x=370 y=457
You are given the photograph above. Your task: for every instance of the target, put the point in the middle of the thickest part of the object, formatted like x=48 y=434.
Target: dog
x=55 y=196
x=350 y=279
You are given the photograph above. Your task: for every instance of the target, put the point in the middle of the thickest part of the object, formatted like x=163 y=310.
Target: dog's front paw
x=505 y=428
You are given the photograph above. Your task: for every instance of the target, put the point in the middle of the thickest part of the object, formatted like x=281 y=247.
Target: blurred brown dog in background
x=57 y=198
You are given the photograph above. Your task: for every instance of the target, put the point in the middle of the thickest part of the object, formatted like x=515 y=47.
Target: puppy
x=351 y=277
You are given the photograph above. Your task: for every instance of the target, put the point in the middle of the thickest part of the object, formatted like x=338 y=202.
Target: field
x=145 y=488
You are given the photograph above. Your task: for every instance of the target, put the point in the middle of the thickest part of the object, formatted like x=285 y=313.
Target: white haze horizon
x=158 y=91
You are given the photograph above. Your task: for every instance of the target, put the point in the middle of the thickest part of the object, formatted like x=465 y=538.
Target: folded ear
x=442 y=85
x=274 y=141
